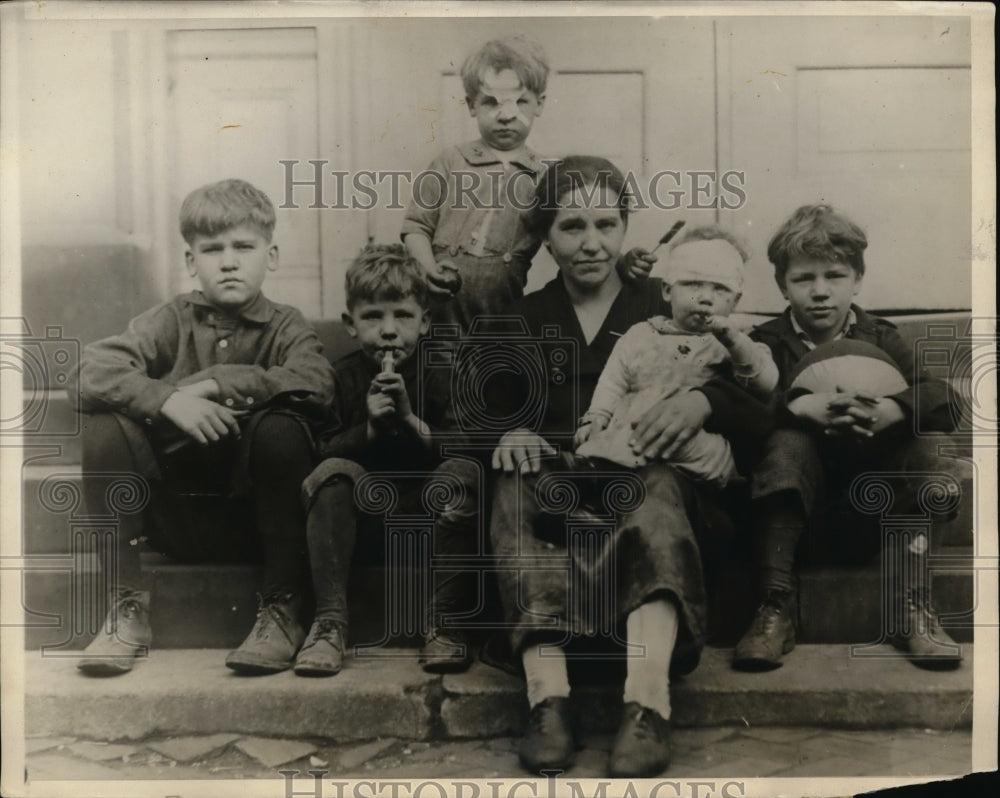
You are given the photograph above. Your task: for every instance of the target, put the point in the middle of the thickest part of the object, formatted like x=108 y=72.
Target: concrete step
x=215 y=605
x=51 y=501
x=191 y=692
x=193 y=606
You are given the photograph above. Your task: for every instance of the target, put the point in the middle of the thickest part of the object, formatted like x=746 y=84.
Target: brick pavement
x=736 y=752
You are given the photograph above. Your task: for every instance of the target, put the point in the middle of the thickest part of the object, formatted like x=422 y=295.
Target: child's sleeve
x=345 y=433
x=753 y=366
x=439 y=410
x=927 y=398
x=122 y=373
x=613 y=383
x=300 y=377
x=430 y=191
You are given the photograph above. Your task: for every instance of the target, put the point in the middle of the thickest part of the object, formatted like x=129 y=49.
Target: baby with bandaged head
x=702 y=280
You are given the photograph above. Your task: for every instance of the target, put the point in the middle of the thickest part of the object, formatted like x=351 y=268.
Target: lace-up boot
x=126 y=635
x=274 y=640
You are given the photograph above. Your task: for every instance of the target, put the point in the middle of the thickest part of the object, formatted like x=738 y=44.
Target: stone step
x=191 y=692
x=215 y=605
x=52 y=500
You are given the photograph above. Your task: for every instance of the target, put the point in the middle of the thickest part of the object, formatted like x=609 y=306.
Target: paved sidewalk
x=735 y=752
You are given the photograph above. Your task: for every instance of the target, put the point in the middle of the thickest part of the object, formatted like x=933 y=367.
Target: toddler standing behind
x=464 y=225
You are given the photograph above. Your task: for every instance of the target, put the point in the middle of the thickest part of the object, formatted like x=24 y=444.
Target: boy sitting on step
x=392 y=420
x=834 y=434
x=209 y=399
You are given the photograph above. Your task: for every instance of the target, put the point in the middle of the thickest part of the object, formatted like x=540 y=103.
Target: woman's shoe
x=548 y=744
x=642 y=747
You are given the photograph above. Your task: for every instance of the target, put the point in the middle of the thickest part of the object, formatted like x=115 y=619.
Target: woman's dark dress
x=583 y=542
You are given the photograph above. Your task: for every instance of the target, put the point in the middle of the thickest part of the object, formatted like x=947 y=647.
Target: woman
x=645 y=569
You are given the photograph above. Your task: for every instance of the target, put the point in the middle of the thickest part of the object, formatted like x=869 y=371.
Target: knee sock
x=545 y=672
x=653 y=626
x=781 y=522
x=331 y=529
x=280 y=460
x=106 y=451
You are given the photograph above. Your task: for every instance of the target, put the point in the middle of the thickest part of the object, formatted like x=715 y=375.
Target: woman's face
x=586 y=236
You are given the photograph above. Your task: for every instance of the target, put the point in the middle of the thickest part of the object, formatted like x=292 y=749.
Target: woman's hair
x=820 y=233
x=217 y=207
x=575 y=172
x=385 y=272
x=522 y=55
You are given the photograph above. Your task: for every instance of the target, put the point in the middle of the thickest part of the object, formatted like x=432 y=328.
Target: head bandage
x=714 y=261
x=506 y=98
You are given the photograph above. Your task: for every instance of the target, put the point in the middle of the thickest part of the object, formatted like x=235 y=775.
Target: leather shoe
x=125 y=636
x=548 y=744
x=274 y=640
x=921 y=636
x=445 y=652
x=642 y=747
x=770 y=636
x=323 y=652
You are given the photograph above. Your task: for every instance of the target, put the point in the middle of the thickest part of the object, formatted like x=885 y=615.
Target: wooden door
x=869 y=114
x=240 y=101
x=638 y=91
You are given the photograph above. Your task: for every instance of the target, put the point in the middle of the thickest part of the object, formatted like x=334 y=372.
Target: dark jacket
x=926 y=395
x=347 y=435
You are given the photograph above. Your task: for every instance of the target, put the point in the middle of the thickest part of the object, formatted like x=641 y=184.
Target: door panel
x=871 y=115
x=638 y=91
x=241 y=101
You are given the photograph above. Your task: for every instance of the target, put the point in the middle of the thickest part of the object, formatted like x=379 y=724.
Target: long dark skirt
x=583 y=542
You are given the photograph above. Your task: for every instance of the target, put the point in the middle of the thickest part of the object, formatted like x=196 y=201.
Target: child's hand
x=391 y=384
x=443 y=280
x=862 y=415
x=636 y=264
x=815 y=407
x=206 y=389
x=723 y=329
x=202 y=419
x=588 y=427
x=381 y=407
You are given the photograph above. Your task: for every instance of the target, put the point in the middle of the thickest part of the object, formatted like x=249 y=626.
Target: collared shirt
x=471 y=201
x=266 y=355
x=845 y=331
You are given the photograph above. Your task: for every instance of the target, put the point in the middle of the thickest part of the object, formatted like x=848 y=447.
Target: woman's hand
x=588 y=427
x=669 y=424
x=520 y=449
